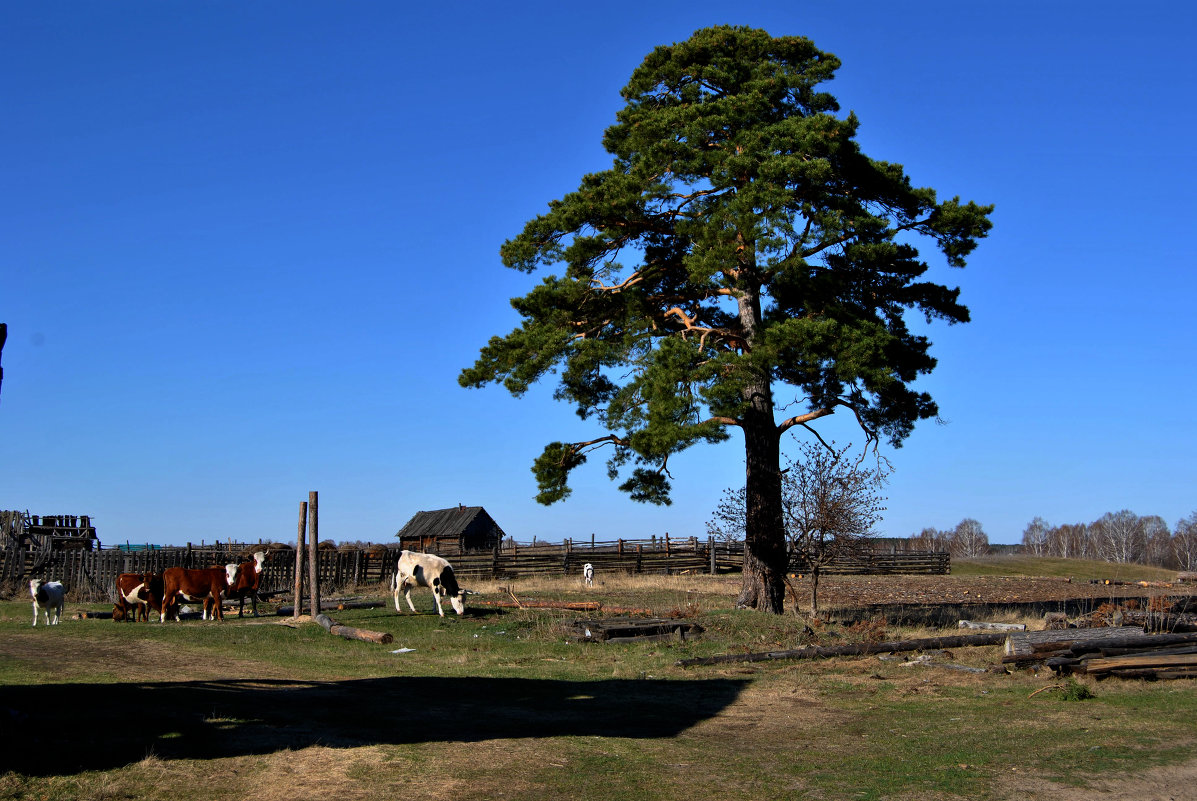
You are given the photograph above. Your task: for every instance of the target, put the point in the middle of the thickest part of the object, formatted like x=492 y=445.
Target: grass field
x=506 y=703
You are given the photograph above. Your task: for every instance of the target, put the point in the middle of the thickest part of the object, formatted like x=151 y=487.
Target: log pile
x=1125 y=651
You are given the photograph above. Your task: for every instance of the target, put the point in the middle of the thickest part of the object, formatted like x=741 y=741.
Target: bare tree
x=1157 y=541
x=1035 y=537
x=830 y=506
x=727 y=521
x=969 y=540
x=930 y=539
x=1118 y=536
x=1184 y=542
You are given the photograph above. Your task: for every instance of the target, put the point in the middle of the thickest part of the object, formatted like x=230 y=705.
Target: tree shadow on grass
x=63 y=729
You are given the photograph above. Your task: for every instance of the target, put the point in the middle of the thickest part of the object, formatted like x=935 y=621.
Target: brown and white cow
x=135 y=594
x=47 y=596
x=205 y=586
x=244 y=581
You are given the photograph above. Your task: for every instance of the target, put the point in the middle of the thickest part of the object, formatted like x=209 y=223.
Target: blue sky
x=247 y=247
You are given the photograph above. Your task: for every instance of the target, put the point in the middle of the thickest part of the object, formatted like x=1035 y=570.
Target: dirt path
x=1167 y=783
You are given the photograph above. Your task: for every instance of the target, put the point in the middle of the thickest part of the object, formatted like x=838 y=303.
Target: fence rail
x=91 y=575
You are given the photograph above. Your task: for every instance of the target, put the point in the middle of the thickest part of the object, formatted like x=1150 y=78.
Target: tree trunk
x=765 y=556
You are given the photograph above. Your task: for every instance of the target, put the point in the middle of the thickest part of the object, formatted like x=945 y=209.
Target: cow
x=47 y=595
x=206 y=585
x=588 y=574
x=137 y=593
x=244 y=581
x=426 y=570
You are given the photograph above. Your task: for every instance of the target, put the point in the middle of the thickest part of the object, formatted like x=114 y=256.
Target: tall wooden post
x=313 y=553
x=300 y=547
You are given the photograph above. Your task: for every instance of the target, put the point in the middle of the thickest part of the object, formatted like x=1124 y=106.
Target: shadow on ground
x=62 y=729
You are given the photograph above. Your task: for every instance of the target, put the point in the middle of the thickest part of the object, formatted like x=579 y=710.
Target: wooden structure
x=449 y=532
x=29 y=542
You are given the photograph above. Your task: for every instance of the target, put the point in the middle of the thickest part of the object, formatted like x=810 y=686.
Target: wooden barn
x=461 y=529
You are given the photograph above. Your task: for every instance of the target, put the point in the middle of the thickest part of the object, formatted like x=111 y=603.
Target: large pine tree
x=740 y=242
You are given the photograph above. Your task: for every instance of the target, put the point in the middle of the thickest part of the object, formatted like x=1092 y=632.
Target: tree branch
x=802 y=419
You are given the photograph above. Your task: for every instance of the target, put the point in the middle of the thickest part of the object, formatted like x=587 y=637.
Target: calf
x=244 y=581
x=588 y=574
x=138 y=593
x=47 y=595
x=427 y=570
x=206 y=585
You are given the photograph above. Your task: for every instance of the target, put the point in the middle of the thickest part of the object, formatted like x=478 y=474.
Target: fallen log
x=1100 y=665
x=630 y=630
x=573 y=606
x=351 y=633
x=1034 y=646
x=974 y=624
x=854 y=649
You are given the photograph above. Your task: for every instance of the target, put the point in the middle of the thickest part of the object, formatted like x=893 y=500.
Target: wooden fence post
x=313 y=554
x=300 y=547
x=711 y=545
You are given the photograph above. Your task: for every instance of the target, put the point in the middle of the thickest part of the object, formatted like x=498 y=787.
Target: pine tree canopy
x=739 y=242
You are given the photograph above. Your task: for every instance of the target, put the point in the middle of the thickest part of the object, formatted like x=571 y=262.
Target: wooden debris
x=1124 y=651
x=574 y=606
x=854 y=649
x=974 y=624
x=351 y=633
x=626 y=629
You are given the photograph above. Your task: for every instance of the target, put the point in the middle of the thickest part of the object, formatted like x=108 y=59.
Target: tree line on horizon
x=1123 y=537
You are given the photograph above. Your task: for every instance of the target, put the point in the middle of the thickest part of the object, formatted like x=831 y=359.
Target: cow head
x=230 y=571
x=36 y=591
x=446 y=586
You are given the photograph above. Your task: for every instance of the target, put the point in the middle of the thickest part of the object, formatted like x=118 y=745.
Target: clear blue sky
x=247 y=247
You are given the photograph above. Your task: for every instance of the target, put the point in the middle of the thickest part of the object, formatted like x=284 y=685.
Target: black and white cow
x=427 y=570
x=47 y=595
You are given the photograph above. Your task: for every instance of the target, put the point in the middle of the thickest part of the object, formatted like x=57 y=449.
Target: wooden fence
x=91 y=575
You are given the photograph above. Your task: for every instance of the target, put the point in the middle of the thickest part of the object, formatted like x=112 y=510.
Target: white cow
x=47 y=595
x=426 y=570
x=588 y=574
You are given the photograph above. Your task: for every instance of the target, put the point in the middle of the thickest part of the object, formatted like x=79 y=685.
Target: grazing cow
x=427 y=570
x=47 y=595
x=137 y=593
x=588 y=574
x=244 y=581
x=206 y=585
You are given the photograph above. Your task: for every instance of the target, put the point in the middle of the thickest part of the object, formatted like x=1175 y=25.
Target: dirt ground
x=855 y=591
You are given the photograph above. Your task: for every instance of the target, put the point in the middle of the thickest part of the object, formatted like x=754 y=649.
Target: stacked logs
x=1125 y=651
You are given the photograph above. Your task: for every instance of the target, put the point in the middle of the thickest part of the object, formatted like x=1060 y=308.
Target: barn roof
x=451 y=522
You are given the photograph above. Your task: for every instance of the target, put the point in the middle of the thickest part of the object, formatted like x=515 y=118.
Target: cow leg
x=57 y=614
x=35 y=614
x=167 y=601
x=407 y=595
